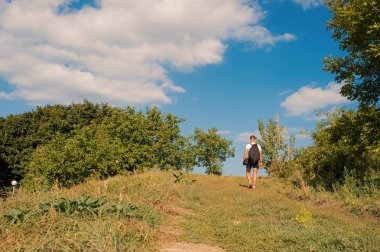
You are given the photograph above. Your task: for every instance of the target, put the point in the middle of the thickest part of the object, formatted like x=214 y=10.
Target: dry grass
x=154 y=192
x=217 y=211
x=270 y=218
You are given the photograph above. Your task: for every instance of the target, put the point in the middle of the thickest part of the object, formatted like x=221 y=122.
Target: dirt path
x=171 y=231
x=190 y=247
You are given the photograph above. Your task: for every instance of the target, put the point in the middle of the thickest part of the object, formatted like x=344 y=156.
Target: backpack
x=254 y=154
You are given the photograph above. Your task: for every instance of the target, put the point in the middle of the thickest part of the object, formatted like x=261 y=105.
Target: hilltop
x=155 y=211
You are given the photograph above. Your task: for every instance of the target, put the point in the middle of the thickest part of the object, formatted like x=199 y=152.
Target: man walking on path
x=250 y=152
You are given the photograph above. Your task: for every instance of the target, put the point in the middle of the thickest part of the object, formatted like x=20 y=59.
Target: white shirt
x=248 y=146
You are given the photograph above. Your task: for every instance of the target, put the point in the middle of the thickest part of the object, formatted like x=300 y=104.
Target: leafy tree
x=277 y=148
x=356 y=26
x=346 y=142
x=210 y=150
x=66 y=145
x=20 y=135
x=90 y=152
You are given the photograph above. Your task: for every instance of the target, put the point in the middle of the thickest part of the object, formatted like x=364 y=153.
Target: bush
x=66 y=145
x=345 y=145
x=68 y=161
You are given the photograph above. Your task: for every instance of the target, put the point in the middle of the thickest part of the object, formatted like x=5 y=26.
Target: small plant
x=128 y=210
x=84 y=204
x=16 y=216
x=180 y=176
x=98 y=206
x=304 y=217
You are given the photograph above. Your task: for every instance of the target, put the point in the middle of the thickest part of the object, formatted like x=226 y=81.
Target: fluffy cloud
x=308 y=99
x=117 y=51
x=243 y=137
x=224 y=132
x=306 y=4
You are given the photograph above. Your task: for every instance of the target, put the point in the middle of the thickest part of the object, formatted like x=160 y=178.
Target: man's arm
x=261 y=160
x=245 y=153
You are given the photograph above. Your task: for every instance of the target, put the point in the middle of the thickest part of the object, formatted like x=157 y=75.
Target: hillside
x=156 y=211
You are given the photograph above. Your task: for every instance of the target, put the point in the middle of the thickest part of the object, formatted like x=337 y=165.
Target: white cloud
x=284 y=92
x=120 y=52
x=243 y=137
x=306 y=4
x=224 y=132
x=299 y=133
x=308 y=99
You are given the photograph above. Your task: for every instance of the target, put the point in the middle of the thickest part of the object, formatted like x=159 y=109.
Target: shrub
x=345 y=145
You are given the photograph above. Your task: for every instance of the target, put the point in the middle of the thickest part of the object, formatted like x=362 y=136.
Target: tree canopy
x=356 y=26
x=66 y=145
x=346 y=142
x=211 y=150
x=277 y=147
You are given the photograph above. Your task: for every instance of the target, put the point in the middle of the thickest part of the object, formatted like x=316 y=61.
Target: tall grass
x=77 y=231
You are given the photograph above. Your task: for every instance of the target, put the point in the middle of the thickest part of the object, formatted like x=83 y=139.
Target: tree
x=346 y=142
x=210 y=150
x=356 y=26
x=277 y=148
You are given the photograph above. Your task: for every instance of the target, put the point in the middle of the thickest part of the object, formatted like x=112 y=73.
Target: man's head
x=252 y=138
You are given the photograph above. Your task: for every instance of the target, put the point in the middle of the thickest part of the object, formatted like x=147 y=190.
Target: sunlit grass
x=217 y=211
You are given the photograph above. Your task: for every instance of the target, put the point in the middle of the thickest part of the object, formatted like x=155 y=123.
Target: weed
x=304 y=217
x=180 y=177
x=16 y=216
x=84 y=204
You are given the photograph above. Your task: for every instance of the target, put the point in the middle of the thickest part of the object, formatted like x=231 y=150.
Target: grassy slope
x=218 y=211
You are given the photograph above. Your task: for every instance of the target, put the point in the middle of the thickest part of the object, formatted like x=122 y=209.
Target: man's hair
x=252 y=137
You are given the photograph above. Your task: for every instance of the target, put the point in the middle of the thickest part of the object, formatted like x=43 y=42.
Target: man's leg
x=248 y=174
x=254 y=177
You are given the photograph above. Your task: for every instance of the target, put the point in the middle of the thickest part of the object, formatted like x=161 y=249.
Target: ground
x=195 y=213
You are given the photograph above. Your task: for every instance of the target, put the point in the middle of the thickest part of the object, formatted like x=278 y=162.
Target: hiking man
x=252 y=158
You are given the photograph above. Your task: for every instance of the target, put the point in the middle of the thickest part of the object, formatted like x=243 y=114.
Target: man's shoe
x=250 y=186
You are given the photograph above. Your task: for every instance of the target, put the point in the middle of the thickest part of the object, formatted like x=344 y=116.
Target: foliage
x=346 y=142
x=180 y=176
x=356 y=26
x=84 y=204
x=66 y=145
x=210 y=150
x=277 y=148
x=21 y=134
x=88 y=153
x=16 y=216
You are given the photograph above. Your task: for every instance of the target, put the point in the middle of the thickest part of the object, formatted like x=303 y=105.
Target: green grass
x=274 y=217
x=217 y=211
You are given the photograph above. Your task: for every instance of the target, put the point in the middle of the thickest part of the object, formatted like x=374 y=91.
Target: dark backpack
x=254 y=154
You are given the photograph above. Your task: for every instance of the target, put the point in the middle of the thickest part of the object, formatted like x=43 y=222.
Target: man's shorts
x=250 y=166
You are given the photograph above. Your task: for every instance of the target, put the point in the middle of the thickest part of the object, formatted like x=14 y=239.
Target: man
x=250 y=165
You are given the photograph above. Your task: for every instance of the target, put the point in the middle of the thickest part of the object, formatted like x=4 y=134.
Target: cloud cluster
x=117 y=51
x=306 y=4
x=243 y=137
x=308 y=99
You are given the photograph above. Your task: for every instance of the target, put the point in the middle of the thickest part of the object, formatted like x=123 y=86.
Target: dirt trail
x=171 y=231
x=190 y=247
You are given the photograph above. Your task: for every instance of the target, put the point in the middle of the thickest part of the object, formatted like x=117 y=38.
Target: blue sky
x=223 y=66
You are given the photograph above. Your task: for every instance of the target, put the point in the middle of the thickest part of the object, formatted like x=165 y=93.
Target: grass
x=217 y=211
x=274 y=217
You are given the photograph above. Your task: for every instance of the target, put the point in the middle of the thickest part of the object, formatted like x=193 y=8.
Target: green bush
x=345 y=146
x=68 y=161
x=66 y=145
